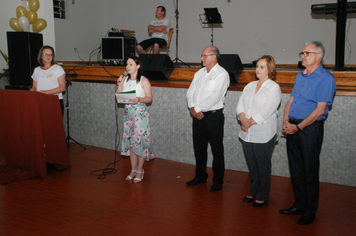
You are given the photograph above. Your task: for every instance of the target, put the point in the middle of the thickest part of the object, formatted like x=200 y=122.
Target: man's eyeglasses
x=306 y=54
x=206 y=55
x=47 y=55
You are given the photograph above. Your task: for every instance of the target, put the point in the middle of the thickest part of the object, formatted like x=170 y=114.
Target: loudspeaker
x=23 y=48
x=233 y=65
x=157 y=66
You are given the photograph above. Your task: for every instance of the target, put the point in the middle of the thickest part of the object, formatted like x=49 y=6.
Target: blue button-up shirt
x=308 y=90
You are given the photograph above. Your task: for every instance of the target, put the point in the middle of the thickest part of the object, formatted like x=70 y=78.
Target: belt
x=206 y=113
x=295 y=121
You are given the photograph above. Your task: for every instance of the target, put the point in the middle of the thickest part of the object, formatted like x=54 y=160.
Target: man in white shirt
x=158 y=29
x=206 y=100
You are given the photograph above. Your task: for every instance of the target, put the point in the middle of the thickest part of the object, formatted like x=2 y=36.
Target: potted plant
x=5 y=74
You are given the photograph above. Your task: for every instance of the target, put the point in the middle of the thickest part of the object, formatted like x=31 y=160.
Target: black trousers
x=303 y=149
x=209 y=129
x=148 y=42
x=258 y=157
x=62 y=106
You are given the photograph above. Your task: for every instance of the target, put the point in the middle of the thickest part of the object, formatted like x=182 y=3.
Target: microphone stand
x=68 y=138
x=177 y=29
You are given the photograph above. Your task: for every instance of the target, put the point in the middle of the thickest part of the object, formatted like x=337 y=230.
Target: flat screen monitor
x=112 y=48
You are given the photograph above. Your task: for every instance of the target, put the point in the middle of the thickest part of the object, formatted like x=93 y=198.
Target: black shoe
x=248 y=199
x=306 y=219
x=195 y=181
x=291 y=211
x=216 y=187
x=256 y=204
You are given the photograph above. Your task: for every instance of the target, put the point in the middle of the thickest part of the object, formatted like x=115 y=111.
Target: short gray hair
x=319 y=48
x=216 y=52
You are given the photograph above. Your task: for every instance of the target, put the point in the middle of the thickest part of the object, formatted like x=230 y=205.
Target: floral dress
x=137 y=132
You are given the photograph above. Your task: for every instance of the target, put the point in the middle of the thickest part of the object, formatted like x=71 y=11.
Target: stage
x=181 y=77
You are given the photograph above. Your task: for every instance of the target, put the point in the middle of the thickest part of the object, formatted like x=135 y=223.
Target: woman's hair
x=39 y=56
x=270 y=65
x=139 y=71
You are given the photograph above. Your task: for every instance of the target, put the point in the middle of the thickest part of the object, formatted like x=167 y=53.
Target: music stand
x=212 y=17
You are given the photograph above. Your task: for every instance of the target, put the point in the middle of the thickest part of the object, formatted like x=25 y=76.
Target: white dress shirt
x=262 y=107
x=207 y=90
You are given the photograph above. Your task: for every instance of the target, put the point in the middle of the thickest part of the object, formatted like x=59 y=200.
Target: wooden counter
x=182 y=77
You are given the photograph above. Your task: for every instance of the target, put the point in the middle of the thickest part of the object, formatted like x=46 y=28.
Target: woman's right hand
x=245 y=122
x=120 y=83
x=120 y=80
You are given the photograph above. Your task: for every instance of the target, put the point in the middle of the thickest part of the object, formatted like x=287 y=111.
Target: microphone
x=124 y=74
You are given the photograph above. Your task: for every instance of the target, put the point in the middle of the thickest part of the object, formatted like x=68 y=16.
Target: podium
x=32 y=132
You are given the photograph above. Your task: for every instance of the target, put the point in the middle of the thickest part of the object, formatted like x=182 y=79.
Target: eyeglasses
x=206 y=55
x=306 y=54
x=47 y=55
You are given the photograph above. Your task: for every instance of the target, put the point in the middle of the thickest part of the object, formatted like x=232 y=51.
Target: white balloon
x=26 y=4
x=24 y=23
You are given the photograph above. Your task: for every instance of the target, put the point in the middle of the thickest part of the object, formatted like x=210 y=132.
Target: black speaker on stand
x=232 y=64
x=22 y=49
x=157 y=66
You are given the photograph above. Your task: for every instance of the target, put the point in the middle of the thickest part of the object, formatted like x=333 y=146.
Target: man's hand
x=196 y=115
x=289 y=128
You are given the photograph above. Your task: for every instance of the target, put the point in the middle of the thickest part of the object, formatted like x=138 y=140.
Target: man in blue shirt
x=303 y=122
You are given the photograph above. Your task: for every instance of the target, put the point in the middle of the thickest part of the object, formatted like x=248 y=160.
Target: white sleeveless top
x=132 y=85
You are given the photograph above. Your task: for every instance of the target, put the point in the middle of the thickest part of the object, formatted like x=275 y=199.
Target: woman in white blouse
x=257 y=111
x=49 y=78
x=136 y=138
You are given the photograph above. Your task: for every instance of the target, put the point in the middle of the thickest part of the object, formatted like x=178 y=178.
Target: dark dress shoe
x=256 y=204
x=248 y=199
x=216 y=187
x=195 y=181
x=306 y=219
x=291 y=211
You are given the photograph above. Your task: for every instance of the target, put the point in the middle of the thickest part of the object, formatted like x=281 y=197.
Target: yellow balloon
x=31 y=16
x=14 y=23
x=39 y=25
x=34 y=5
x=20 y=11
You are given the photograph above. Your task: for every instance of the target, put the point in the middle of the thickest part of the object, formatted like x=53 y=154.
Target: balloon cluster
x=26 y=15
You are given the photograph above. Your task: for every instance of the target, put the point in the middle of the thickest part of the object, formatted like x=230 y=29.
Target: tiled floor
x=75 y=202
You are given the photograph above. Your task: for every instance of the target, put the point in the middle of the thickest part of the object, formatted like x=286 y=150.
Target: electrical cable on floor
x=102 y=173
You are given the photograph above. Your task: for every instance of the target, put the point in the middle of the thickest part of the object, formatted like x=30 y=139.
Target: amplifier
x=114 y=49
x=116 y=34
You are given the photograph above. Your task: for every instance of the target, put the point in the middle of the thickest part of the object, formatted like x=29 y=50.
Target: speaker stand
x=69 y=138
x=176 y=60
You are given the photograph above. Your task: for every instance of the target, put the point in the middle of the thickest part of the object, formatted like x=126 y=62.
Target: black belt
x=206 y=113
x=295 y=121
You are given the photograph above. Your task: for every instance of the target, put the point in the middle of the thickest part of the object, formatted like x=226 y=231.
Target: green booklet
x=124 y=97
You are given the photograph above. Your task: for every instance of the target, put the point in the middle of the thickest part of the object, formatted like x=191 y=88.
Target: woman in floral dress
x=136 y=138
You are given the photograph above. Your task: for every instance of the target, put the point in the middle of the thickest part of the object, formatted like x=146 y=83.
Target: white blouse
x=133 y=85
x=262 y=107
x=48 y=79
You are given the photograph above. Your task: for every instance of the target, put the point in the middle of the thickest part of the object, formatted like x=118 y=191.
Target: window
x=59 y=9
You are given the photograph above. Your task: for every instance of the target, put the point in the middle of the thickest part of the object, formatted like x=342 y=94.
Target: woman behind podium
x=136 y=138
x=49 y=78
